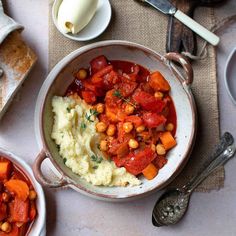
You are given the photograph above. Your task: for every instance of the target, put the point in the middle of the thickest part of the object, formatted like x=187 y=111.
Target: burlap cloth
x=134 y=22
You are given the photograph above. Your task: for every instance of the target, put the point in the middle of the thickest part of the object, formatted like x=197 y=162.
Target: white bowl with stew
x=61 y=77
x=38 y=226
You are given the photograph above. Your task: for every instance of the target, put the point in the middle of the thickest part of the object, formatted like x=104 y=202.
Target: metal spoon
x=1 y=72
x=173 y=204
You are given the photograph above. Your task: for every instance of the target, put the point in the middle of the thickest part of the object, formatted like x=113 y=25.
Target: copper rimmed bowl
x=61 y=77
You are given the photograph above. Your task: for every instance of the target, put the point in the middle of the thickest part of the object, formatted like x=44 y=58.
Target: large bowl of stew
x=132 y=61
x=23 y=210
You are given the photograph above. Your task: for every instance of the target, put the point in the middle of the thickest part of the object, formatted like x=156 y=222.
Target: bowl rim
x=226 y=78
x=77 y=38
x=70 y=57
x=40 y=224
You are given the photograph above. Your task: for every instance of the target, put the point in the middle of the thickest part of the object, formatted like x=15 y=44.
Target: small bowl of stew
x=152 y=140
x=22 y=203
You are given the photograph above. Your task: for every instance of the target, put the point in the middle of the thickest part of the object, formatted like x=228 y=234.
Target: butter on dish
x=74 y=15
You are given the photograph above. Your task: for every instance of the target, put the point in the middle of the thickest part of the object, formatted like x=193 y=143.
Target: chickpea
x=133 y=143
x=6 y=227
x=129 y=109
x=158 y=95
x=160 y=149
x=101 y=127
x=170 y=127
x=153 y=147
x=82 y=74
x=100 y=108
x=127 y=127
x=140 y=128
x=5 y=197
x=32 y=195
x=111 y=130
x=103 y=145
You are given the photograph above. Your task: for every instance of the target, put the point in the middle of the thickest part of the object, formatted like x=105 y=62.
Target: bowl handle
x=39 y=175
x=183 y=61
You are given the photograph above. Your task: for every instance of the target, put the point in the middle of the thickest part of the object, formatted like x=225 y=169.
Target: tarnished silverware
x=1 y=72
x=173 y=204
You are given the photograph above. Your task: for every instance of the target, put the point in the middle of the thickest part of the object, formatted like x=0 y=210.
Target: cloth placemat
x=134 y=22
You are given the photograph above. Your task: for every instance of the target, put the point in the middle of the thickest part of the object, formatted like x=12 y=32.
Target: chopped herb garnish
x=83 y=126
x=95 y=167
x=68 y=109
x=119 y=95
x=96 y=159
x=92 y=113
x=64 y=160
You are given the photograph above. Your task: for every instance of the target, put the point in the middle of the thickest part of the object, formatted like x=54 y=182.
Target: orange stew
x=136 y=114
x=17 y=200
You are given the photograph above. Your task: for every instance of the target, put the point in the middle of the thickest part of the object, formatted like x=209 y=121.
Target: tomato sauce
x=17 y=200
x=138 y=114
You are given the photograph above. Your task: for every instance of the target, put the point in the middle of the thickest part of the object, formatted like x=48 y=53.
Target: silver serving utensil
x=167 y=8
x=173 y=204
x=1 y=72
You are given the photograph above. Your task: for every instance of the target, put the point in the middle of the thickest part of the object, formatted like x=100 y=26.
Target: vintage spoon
x=1 y=72
x=173 y=204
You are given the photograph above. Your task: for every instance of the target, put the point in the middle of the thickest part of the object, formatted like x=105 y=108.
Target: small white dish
x=230 y=76
x=95 y=27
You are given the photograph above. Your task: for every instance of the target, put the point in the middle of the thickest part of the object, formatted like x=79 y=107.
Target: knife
x=167 y=8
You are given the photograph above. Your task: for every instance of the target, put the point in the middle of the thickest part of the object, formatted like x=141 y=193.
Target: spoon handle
x=223 y=152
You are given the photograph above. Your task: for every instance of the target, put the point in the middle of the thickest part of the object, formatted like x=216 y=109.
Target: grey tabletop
x=69 y=213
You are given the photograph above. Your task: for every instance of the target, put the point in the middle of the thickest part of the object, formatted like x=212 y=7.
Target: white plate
x=96 y=26
x=230 y=76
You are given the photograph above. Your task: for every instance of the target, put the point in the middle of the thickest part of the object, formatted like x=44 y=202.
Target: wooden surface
x=180 y=38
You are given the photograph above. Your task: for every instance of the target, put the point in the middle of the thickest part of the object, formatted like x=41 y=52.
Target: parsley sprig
x=83 y=126
x=92 y=113
x=119 y=95
x=96 y=159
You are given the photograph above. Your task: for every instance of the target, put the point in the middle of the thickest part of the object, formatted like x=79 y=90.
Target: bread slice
x=16 y=60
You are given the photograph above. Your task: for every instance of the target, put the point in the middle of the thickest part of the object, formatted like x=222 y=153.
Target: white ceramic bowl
x=95 y=27
x=61 y=77
x=230 y=76
x=39 y=226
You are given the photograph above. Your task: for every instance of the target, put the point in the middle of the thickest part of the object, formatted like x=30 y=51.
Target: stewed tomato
x=136 y=113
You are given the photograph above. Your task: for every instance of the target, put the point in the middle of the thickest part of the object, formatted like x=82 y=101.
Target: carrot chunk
x=167 y=140
x=5 y=169
x=150 y=172
x=158 y=82
x=18 y=187
x=19 y=210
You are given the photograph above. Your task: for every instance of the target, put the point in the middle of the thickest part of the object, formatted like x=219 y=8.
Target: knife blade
x=162 y=5
x=167 y=8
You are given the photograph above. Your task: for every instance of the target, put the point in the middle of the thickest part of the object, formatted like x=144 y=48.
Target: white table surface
x=70 y=213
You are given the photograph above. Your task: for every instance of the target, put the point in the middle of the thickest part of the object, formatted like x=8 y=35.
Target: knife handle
x=197 y=28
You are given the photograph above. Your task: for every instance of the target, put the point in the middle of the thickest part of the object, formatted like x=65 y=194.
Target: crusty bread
x=16 y=60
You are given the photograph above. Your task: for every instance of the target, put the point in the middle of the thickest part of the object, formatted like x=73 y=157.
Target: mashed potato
x=75 y=133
